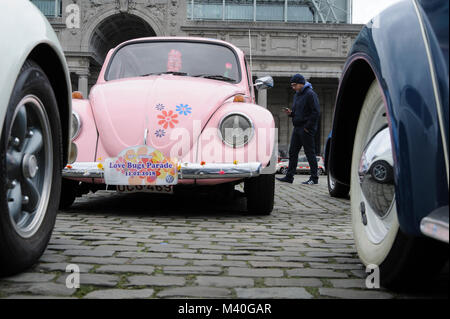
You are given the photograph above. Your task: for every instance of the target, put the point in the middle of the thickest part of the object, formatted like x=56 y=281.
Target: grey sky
x=364 y=10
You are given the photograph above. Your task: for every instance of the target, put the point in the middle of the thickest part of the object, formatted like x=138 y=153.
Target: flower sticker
x=183 y=109
x=160 y=133
x=174 y=62
x=167 y=119
x=160 y=107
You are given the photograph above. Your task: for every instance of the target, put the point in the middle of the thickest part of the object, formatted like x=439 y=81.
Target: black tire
x=320 y=171
x=283 y=170
x=19 y=251
x=260 y=192
x=336 y=189
x=69 y=190
x=413 y=261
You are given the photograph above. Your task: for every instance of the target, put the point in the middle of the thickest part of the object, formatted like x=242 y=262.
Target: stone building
x=312 y=37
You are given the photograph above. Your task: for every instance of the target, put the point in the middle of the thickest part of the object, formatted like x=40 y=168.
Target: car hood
x=172 y=109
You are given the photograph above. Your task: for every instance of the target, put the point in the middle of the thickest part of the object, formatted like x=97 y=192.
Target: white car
x=302 y=165
x=35 y=113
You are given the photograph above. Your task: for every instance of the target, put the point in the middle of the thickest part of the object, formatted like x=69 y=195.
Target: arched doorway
x=107 y=34
x=114 y=30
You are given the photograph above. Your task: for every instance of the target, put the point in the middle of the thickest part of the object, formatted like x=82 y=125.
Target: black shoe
x=285 y=179
x=310 y=182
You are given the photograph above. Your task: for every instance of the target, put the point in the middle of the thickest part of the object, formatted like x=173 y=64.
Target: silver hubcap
x=376 y=179
x=29 y=166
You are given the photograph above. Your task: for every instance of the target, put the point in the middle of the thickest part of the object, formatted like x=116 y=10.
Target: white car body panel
x=17 y=40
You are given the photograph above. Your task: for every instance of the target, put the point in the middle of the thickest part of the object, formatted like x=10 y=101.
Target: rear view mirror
x=264 y=83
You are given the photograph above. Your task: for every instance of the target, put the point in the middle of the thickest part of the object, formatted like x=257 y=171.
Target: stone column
x=262 y=98
x=83 y=84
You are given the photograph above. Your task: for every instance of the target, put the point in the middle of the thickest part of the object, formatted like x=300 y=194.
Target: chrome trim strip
x=145 y=136
x=187 y=170
x=435 y=89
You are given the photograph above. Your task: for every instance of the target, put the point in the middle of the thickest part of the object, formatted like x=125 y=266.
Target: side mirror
x=264 y=83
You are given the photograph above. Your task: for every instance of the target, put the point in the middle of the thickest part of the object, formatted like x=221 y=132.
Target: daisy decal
x=160 y=133
x=159 y=107
x=167 y=119
x=183 y=109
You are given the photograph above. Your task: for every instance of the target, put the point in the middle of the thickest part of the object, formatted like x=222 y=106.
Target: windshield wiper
x=214 y=77
x=169 y=72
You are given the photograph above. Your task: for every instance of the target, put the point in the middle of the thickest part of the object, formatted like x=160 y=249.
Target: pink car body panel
x=87 y=138
x=118 y=112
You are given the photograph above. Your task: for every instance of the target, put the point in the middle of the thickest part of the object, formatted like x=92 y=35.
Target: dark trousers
x=302 y=139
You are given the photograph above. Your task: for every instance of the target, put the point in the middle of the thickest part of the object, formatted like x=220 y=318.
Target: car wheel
x=69 y=190
x=31 y=153
x=320 y=171
x=260 y=192
x=402 y=260
x=284 y=170
x=335 y=188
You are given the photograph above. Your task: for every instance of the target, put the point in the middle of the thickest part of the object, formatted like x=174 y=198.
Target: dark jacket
x=306 y=109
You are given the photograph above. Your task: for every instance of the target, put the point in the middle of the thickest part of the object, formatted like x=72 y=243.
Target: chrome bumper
x=219 y=170
x=435 y=225
x=187 y=170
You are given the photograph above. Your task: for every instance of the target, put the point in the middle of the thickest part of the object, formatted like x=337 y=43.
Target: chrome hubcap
x=376 y=179
x=29 y=166
x=29 y=149
x=376 y=171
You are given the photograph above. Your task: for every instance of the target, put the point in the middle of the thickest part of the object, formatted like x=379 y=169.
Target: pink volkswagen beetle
x=168 y=113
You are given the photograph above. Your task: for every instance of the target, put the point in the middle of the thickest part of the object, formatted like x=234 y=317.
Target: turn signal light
x=77 y=95
x=238 y=98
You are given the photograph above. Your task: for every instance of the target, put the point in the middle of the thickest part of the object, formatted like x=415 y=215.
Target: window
x=203 y=59
x=251 y=10
x=50 y=8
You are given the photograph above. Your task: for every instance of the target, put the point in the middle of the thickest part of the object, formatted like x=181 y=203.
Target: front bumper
x=186 y=171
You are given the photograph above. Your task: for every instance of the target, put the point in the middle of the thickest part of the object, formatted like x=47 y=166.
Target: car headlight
x=236 y=130
x=76 y=125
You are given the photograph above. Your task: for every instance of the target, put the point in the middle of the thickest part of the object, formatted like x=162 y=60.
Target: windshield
x=198 y=59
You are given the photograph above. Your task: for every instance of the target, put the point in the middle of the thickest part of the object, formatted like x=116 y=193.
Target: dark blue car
x=390 y=142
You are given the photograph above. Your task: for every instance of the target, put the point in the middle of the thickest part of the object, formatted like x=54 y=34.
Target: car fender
x=391 y=48
x=34 y=39
x=87 y=139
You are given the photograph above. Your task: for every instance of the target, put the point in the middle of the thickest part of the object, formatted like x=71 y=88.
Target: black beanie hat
x=298 y=78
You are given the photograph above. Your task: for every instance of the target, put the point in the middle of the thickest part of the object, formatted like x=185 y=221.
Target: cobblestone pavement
x=163 y=246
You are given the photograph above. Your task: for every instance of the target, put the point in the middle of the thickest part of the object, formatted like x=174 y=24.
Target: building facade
x=311 y=37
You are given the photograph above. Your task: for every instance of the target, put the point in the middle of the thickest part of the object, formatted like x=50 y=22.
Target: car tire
x=284 y=170
x=403 y=261
x=335 y=188
x=320 y=171
x=31 y=152
x=260 y=192
x=69 y=190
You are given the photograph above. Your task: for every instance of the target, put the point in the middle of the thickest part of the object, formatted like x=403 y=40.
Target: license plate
x=140 y=165
x=166 y=189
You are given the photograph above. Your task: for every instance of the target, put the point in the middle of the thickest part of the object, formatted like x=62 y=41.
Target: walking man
x=305 y=117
